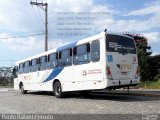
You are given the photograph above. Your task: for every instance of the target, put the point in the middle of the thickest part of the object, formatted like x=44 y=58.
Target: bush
x=157 y=78
x=150 y=85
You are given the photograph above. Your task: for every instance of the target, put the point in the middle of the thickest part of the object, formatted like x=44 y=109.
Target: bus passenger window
x=20 y=68
x=26 y=66
x=82 y=54
x=34 y=65
x=66 y=57
x=95 y=51
x=43 y=63
x=52 y=60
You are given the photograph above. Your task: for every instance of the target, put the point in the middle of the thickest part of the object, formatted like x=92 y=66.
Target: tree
x=155 y=62
x=144 y=61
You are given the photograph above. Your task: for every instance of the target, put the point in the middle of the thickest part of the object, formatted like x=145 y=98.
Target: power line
x=8 y=60
x=39 y=21
x=40 y=15
x=23 y=36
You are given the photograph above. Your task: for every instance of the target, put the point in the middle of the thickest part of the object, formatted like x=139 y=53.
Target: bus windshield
x=120 y=44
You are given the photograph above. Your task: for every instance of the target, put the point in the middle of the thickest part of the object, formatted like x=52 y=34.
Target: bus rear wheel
x=22 y=89
x=57 y=90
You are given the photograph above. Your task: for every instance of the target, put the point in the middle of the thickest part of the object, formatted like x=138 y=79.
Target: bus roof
x=70 y=45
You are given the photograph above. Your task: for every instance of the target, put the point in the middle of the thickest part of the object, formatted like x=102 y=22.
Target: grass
x=6 y=86
x=150 y=85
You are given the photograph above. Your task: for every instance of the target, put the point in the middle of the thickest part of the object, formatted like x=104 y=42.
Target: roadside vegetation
x=155 y=84
x=150 y=85
x=11 y=86
x=148 y=65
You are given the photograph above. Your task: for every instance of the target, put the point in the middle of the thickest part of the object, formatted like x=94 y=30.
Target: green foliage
x=155 y=62
x=150 y=85
x=157 y=78
x=143 y=51
x=148 y=64
x=9 y=86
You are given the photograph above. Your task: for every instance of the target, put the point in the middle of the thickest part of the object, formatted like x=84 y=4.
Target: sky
x=66 y=24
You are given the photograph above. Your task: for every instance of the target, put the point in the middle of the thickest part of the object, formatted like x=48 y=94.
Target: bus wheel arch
x=21 y=87
x=57 y=89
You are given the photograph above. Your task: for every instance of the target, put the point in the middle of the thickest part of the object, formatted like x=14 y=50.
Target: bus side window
x=34 y=64
x=26 y=66
x=52 y=60
x=95 y=51
x=20 y=68
x=82 y=54
x=66 y=57
x=43 y=62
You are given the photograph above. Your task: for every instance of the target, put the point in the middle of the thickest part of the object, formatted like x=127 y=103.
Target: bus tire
x=22 y=89
x=57 y=90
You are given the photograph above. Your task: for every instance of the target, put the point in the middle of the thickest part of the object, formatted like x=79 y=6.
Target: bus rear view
x=121 y=61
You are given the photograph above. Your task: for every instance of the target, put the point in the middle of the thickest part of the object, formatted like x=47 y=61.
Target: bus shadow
x=102 y=96
x=44 y=93
x=114 y=97
x=122 y=98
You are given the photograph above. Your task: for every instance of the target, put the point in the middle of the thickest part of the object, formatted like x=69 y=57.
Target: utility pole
x=41 y=5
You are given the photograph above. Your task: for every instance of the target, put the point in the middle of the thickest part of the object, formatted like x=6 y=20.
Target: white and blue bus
x=98 y=62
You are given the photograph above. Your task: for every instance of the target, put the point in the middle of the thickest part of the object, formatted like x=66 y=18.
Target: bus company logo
x=94 y=71
x=84 y=72
x=115 y=45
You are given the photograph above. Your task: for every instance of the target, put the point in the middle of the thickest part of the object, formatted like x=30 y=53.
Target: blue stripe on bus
x=57 y=70
x=53 y=74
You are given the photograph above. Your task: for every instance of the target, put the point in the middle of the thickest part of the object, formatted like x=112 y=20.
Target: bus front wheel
x=22 y=89
x=57 y=89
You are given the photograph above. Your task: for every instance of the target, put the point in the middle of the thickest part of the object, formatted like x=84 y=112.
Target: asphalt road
x=12 y=102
